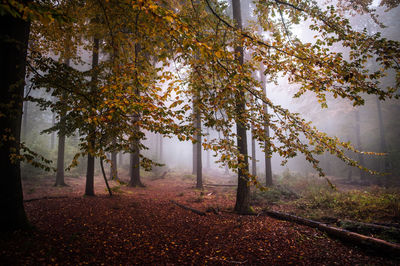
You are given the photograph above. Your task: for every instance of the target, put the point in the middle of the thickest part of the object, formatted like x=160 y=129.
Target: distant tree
x=61 y=145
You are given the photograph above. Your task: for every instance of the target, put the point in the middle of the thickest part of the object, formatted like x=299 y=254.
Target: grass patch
x=375 y=204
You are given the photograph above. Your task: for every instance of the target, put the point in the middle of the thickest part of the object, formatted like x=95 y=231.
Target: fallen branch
x=387 y=247
x=46 y=197
x=188 y=208
x=364 y=228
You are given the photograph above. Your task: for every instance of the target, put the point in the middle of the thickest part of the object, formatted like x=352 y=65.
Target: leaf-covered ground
x=143 y=226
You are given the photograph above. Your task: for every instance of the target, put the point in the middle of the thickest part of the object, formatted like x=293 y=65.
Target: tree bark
x=89 y=189
x=243 y=190
x=135 y=155
x=208 y=153
x=14 y=36
x=267 y=157
x=135 y=167
x=61 y=146
x=114 y=165
x=199 y=163
x=253 y=154
x=194 y=159
x=53 y=135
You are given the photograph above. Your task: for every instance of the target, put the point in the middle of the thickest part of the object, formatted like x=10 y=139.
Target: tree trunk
x=199 y=165
x=14 y=36
x=359 y=147
x=61 y=146
x=194 y=159
x=114 y=165
x=267 y=157
x=383 y=147
x=135 y=156
x=243 y=190
x=89 y=190
x=25 y=121
x=253 y=154
x=135 y=167
x=161 y=149
x=53 y=134
x=208 y=153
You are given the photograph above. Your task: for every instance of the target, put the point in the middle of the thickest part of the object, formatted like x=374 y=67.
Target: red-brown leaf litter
x=142 y=226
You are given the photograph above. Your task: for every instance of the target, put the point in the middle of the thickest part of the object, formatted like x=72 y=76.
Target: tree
x=267 y=144
x=242 y=204
x=61 y=145
x=14 y=35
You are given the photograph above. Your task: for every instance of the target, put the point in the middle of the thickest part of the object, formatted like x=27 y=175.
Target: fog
x=339 y=119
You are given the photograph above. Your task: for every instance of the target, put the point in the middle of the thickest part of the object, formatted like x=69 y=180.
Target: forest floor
x=143 y=226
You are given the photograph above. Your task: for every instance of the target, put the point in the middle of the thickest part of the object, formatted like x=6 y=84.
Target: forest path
x=143 y=226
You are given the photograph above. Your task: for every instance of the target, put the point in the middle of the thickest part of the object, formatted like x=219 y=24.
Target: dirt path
x=142 y=226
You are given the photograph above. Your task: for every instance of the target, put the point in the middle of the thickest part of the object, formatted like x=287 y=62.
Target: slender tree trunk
x=89 y=190
x=359 y=147
x=14 y=35
x=157 y=143
x=135 y=156
x=161 y=157
x=243 y=190
x=61 y=146
x=208 y=153
x=199 y=163
x=383 y=147
x=114 y=165
x=253 y=154
x=53 y=134
x=194 y=159
x=25 y=121
x=267 y=157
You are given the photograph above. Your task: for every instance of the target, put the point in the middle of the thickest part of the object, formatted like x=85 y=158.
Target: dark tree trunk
x=194 y=159
x=359 y=147
x=135 y=156
x=267 y=157
x=61 y=147
x=208 y=153
x=89 y=190
x=114 y=165
x=14 y=36
x=53 y=134
x=135 y=167
x=199 y=166
x=243 y=190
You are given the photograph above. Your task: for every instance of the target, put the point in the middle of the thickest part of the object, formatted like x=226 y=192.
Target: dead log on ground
x=188 y=208
x=387 y=247
x=46 y=198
